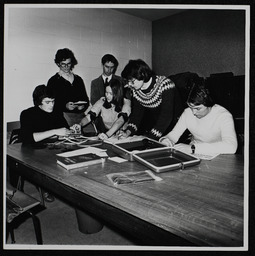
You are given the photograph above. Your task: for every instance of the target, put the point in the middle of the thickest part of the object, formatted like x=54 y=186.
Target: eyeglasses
x=64 y=65
x=132 y=81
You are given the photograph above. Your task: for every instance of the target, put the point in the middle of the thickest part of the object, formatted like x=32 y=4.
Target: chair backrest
x=18 y=202
x=15 y=136
x=182 y=82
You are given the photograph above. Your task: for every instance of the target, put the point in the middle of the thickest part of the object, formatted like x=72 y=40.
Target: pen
x=95 y=127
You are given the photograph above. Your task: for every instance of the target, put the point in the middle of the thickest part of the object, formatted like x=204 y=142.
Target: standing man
x=97 y=90
x=155 y=103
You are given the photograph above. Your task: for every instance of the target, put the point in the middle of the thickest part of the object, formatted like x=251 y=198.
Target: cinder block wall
x=34 y=34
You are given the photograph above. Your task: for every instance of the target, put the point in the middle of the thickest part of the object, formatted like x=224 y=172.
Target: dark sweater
x=66 y=92
x=153 y=110
x=35 y=119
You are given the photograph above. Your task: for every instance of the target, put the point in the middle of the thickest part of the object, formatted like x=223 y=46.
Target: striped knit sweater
x=158 y=102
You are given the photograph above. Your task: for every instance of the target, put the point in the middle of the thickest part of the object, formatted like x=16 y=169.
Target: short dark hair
x=199 y=94
x=110 y=58
x=64 y=54
x=117 y=92
x=41 y=92
x=137 y=69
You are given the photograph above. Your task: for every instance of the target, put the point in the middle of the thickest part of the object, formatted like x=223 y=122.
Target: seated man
x=211 y=125
x=39 y=123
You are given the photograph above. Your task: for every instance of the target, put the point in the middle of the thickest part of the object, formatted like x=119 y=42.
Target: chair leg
x=9 y=230
x=12 y=236
x=37 y=228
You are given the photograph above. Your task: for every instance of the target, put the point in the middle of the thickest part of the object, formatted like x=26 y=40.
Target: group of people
x=137 y=103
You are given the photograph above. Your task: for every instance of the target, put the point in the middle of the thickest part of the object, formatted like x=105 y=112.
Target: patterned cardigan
x=158 y=101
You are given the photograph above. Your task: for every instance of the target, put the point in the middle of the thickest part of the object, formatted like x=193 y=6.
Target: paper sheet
x=98 y=151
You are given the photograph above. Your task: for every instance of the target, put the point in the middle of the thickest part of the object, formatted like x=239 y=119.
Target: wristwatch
x=193 y=148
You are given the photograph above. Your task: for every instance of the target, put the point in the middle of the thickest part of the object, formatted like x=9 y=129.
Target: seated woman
x=211 y=125
x=40 y=122
x=114 y=110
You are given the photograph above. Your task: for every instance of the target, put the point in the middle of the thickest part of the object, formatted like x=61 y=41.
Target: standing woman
x=155 y=105
x=68 y=87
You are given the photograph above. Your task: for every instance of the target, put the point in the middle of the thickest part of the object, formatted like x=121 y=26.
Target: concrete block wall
x=34 y=34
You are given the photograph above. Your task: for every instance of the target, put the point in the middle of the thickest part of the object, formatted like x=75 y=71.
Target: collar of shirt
x=68 y=76
x=61 y=73
x=109 y=78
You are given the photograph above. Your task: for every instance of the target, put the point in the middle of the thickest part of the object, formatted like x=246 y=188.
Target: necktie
x=106 y=82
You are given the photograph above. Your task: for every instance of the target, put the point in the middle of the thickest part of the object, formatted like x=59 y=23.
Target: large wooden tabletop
x=199 y=206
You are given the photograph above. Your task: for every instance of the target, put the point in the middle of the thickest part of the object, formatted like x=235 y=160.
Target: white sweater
x=214 y=133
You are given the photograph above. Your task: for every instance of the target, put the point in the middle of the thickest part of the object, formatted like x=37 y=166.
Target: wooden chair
x=17 y=204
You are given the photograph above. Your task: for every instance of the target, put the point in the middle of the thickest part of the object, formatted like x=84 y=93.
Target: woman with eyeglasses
x=211 y=125
x=155 y=102
x=69 y=88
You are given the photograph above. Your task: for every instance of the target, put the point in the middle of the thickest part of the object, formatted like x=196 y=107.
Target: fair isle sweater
x=158 y=102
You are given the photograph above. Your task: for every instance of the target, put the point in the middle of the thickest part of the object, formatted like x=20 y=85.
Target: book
x=77 y=161
x=80 y=103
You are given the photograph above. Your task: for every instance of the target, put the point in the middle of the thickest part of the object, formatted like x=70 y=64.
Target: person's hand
x=84 y=121
x=81 y=107
x=102 y=136
x=62 y=132
x=76 y=129
x=166 y=142
x=70 y=106
x=185 y=148
x=123 y=134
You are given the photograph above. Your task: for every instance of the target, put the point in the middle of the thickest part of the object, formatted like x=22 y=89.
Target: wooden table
x=201 y=205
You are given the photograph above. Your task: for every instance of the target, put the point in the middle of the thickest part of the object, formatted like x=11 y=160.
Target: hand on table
x=62 y=132
x=102 y=136
x=185 y=148
x=166 y=142
x=123 y=134
x=76 y=128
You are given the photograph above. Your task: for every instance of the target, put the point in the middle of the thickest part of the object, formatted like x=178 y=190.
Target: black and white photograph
x=126 y=127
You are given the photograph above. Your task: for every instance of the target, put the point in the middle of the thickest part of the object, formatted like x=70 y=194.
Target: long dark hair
x=137 y=69
x=199 y=94
x=118 y=96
